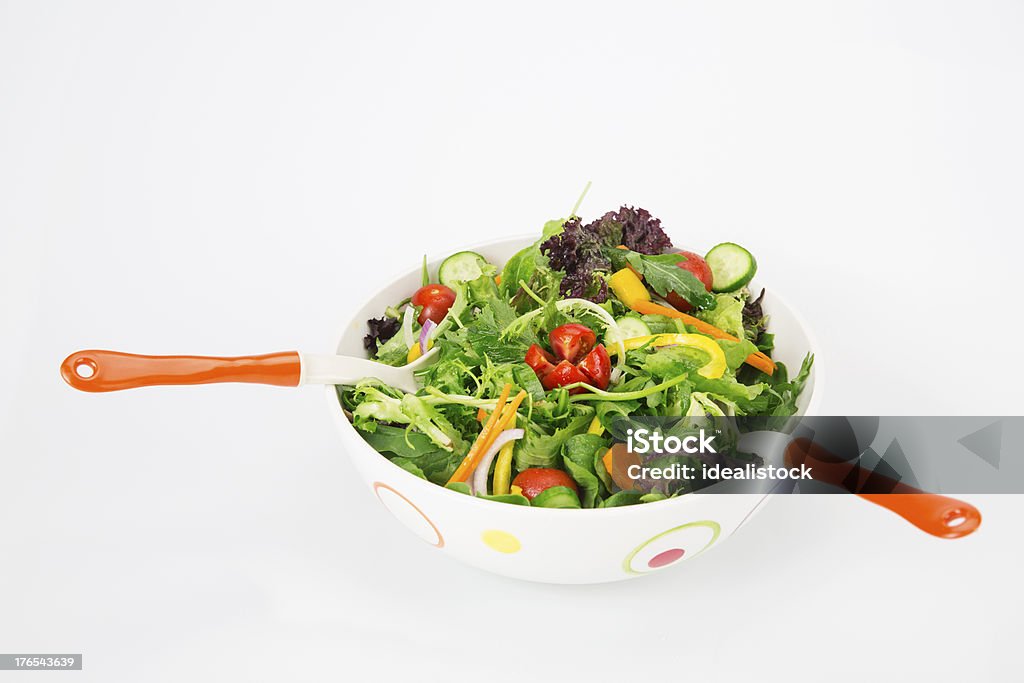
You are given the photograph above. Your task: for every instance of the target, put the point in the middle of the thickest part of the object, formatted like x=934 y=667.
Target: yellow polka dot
x=502 y=541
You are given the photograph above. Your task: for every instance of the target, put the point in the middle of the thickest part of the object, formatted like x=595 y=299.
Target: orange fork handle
x=937 y=515
x=97 y=370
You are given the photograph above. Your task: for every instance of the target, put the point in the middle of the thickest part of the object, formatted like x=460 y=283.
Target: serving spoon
x=937 y=515
x=838 y=465
x=97 y=370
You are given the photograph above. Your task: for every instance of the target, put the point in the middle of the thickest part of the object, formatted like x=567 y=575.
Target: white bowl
x=558 y=545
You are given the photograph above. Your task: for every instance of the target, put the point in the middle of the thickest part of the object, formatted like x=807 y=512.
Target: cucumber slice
x=732 y=266
x=461 y=267
x=629 y=327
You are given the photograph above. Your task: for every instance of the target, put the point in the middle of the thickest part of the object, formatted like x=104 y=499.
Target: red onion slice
x=425 y=334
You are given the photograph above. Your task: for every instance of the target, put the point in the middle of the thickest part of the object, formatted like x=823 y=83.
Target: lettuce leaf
x=727 y=314
x=540 y=448
x=736 y=352
x=578 y=456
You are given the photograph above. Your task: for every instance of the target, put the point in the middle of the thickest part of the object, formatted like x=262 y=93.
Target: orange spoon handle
x=938 y=515
x=97 y=370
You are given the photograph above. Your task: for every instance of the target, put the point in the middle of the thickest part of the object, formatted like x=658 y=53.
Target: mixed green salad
x=536 y=357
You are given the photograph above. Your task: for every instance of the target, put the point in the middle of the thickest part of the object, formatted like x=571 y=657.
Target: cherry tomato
x=597 y=366
x=564 y=374
x=571 y=342
x=700 y=268
x=435 y=300
x=575 y=359
x=540 y=360
x=538 y=479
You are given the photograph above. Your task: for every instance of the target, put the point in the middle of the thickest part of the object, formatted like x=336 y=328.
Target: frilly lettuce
x=727 y=314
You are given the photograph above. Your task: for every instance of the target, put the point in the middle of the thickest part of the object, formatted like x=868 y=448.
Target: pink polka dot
x=665 y=557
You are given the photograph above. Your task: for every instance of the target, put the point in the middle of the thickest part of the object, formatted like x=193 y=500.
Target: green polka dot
x=627 y=564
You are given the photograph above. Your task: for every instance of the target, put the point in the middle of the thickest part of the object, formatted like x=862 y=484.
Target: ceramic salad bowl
x=548 y=544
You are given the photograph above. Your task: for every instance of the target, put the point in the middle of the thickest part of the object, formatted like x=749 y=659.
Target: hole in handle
x=85 y=368
x=959 y=521
x=954 y=518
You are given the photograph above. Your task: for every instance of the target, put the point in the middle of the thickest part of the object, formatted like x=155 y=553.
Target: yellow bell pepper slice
x=596 y=427
x=503 y=470
x=415 y=352
x=713 y=369
x=628 y=286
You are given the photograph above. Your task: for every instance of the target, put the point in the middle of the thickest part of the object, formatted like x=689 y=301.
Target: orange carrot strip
x=465 y=467
x=481 y=415
x=757 y=360
x=508 y=416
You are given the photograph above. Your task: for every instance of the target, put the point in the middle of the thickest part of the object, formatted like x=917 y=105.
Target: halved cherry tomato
x=540 y=360
x=575 y=359
x=435 y=300
x=696 y=264
x=571 y=342
x=597 y=367
x=538 y=479
x=564 y=374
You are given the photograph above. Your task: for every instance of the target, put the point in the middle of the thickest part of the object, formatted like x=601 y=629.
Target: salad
x=538 y=356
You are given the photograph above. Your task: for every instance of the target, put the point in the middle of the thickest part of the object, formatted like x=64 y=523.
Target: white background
x=223 y=178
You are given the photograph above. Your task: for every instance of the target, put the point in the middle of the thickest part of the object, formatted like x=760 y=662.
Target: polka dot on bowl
x=671 y=546
x=409 y=514
x=665 y=557
x=502 y=541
